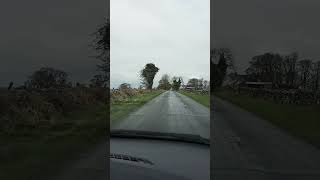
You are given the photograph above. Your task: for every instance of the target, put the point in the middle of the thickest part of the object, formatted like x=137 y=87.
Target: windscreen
x=160 y=71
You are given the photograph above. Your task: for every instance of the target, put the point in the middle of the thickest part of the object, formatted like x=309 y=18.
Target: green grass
x=300 y=120
x=43 y=154
x=120 y=110
x=203 y=99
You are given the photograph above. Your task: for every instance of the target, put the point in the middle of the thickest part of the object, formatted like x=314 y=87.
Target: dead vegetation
x=25 y=112
x=124 y=94
x=22 y=110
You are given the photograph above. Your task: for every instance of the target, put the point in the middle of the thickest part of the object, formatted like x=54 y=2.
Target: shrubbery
x=29 y=111
x=123 y=95
x=24 y=110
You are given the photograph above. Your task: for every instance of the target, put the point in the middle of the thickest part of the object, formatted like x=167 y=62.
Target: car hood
x=156 y=157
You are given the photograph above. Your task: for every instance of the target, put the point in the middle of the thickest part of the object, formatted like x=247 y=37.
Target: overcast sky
x=252 y=27
x=55 y=33
x=172 y=34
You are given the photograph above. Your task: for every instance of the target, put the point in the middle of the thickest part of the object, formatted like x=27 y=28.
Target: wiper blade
x=159 y=135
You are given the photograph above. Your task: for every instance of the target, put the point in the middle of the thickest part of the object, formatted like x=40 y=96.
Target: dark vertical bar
x=108 y=104
x=54 y=120
x=211 y=94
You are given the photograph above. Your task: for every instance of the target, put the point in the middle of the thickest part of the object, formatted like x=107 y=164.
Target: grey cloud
x=38 y=33
x=251 y=27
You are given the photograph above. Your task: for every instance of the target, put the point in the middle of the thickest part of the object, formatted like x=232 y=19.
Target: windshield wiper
x=159 y=135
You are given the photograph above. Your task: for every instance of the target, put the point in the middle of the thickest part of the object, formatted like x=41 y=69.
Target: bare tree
x=304 y=70
x=221 y=59
x=266 y=67
x=101 y=44
x=164 y=82
x=200 y=83
x=48 y=78
x=217 y=53
x=205 y=84
x=315 y=75
x=289 y=67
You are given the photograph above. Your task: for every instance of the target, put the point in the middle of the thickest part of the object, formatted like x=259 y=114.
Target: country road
x=243 y=146
x=169 y=112
x=247 y=147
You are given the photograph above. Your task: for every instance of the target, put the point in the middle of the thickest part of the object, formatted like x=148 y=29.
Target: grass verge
x=120 y=110
x=41 y=155
x=300 y=120
x=203 y=99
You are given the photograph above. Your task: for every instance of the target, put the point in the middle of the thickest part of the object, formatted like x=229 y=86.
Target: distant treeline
x=176 y=82
x=282 y=70
x=148 y=73
x=285 y=71
x=47 y=77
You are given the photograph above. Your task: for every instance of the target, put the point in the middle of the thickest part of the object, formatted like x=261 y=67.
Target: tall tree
x=193 y=82
x=164 y=82
x=147 y=74
x=221 y=59
x=176 y=83
x=200 y=83
x=304 y=69
x=266 y=67
x=289 y=68
x=101 y=44
x=206 y=84
x=316 y=75
x=48 y=78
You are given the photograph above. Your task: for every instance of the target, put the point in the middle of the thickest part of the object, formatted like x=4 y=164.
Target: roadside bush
x=22 y=111
x=125 y=94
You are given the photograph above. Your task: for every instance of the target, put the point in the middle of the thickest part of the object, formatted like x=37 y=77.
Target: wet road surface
x=169 y=112
x=247 y=147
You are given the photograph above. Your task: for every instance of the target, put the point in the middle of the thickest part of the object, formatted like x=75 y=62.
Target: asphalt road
x=247 y=147
x=243 y=146
x=169 y=112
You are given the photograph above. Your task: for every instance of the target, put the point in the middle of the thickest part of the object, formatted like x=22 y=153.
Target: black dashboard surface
x=147 y=159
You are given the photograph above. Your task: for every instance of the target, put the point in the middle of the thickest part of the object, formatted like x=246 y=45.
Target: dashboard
x=148 y=159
